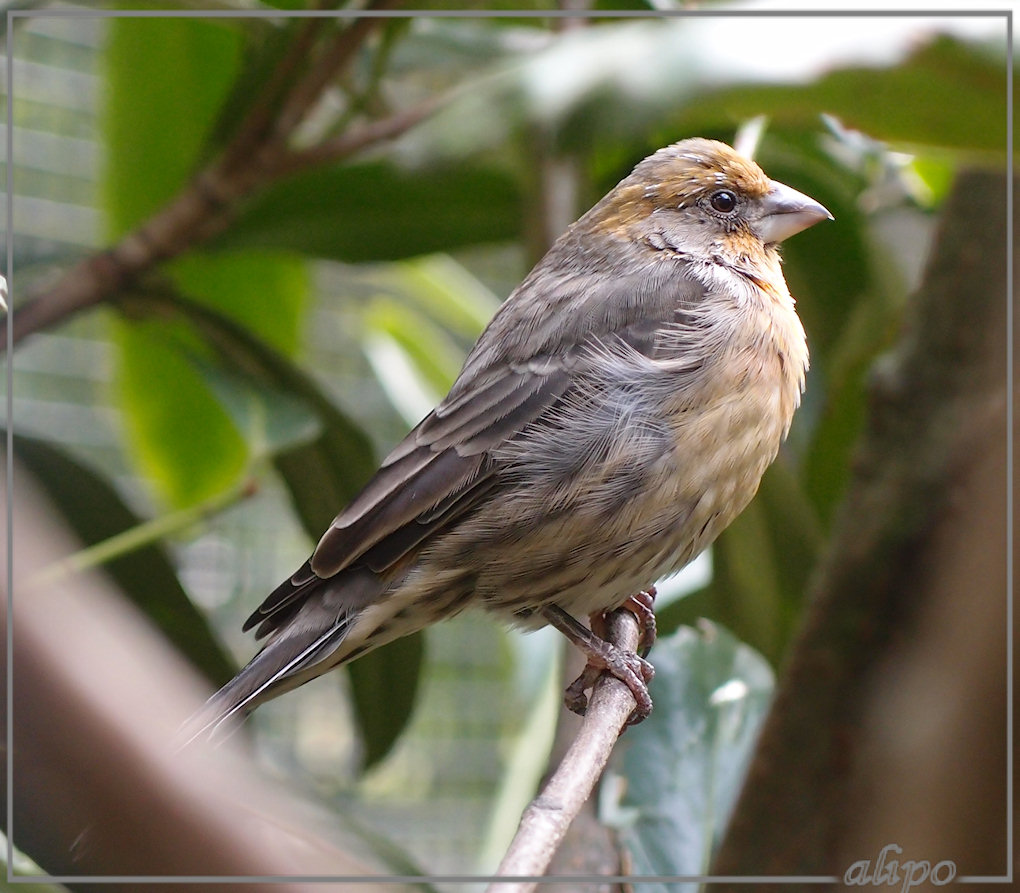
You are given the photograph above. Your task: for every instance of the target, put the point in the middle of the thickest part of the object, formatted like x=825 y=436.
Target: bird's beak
x=785 y=212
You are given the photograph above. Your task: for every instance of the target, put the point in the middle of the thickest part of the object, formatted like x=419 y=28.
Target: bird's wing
x=432 y=477
x=444 y=465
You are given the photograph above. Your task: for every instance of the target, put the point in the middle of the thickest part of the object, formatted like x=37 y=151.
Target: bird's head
x=700 y=196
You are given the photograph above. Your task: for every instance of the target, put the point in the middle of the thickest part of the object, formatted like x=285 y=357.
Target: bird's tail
x=321 y=633
x=282 y=665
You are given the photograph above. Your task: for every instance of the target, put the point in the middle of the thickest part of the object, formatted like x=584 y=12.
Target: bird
x=616 y=414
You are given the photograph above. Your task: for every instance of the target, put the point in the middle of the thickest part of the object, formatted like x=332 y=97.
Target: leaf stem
x=141 y=535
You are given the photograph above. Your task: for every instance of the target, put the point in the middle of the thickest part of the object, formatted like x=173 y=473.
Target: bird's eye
x=723 y=201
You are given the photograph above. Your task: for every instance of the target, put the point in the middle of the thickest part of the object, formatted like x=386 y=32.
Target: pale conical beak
x=785 y=212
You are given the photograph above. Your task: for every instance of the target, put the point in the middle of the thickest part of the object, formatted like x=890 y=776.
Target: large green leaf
x=154 y=130
x=384 y=688
x=375 y=211
x=324 y=457
x=643 y=84
x=95 y=512
x=674 y=778
x=956 y=94
x=165 y=82
x=181 y=430
x=323 y=465
x=180 y=435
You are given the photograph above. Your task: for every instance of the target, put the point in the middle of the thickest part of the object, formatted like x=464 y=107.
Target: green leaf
x=384 y=686
x=428 y=348
x=827 y=461
x=324 y=464
x=374 y=211
x=95 y=512
x=956 y=93
x=673 y=779
x=322 y=474
x=448 y=292
x=185 y=430
x=178 y=432
x=165 y=82
x=644 y=84
x=266 y=292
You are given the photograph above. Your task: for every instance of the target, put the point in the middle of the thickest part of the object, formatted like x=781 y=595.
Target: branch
x=257 y=156
x=353 y=141
x=335 y=58
x=937 y=409
x=96 y=789
x=545 y=822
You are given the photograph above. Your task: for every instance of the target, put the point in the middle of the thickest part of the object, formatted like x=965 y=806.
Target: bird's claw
x=627 y=666
x=630 y=668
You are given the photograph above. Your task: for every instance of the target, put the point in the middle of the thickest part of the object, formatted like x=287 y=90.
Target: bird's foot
x=627 y=666
x=631 y=669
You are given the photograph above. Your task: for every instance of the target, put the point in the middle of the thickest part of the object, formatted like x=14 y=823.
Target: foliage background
x=236 y=395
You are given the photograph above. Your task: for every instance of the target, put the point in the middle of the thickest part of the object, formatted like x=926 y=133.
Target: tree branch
x=332 y=61
x=96 y=788
x=545 y=822
x=258 y=155
x=353 y=141
x=937 y=408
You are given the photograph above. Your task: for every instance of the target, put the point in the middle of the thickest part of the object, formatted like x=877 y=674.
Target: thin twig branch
x=256 y=157
x=546 y=820
x=353 y=141
x=258 y=119
x=333 y=60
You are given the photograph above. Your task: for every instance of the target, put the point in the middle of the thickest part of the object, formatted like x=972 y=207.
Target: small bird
x=616 y=414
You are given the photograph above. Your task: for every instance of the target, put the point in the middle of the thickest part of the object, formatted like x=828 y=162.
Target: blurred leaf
x=334 y=460
x=937 y=174
x=152 y=134
x=373 y=211
x=827 y=461
x=429 y=350
x=956 y=93
x=412 y=353
x=178 y=432
x=95 y=512
x=450 y=294
x=643 y=84
x=761 y=565
x=269 y=419
x=673 y=779
x=384 y=686
x=322 y=474
x=266 y=292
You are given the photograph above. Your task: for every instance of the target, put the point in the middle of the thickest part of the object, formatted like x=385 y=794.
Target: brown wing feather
x=440 y=470
x=447 y=461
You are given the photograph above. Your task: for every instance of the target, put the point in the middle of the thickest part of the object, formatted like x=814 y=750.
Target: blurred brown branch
x=259 y=154
x=889 y=722
x=97 y=787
